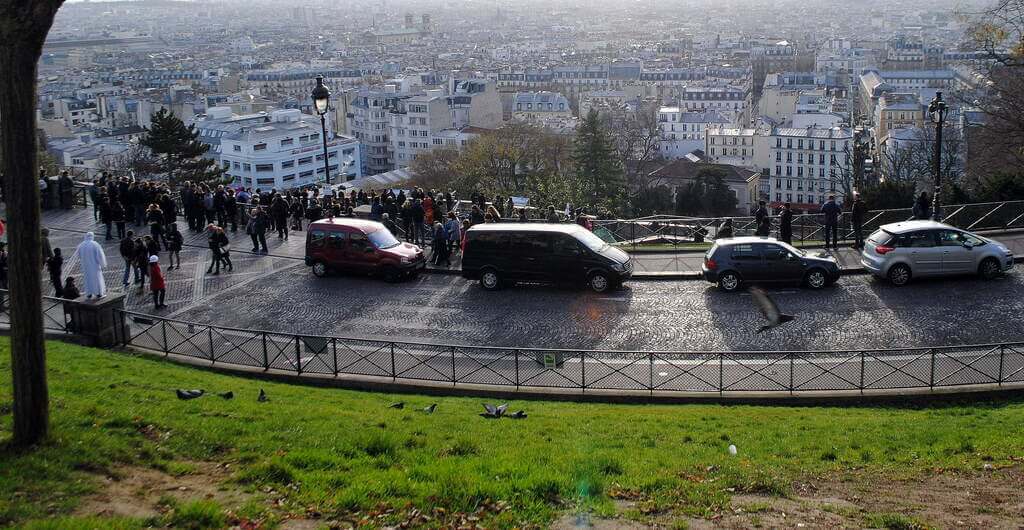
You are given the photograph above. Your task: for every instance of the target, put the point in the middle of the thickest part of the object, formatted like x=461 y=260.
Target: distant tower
x=425 y=23
x=409 y=21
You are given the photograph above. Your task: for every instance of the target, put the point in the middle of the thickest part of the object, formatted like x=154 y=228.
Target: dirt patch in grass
x=141 y=492
x=992 y=499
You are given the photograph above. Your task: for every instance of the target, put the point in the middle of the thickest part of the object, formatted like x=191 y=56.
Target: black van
x=503 y=253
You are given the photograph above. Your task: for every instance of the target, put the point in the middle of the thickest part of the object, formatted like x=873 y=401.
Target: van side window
x=530 y=244
x=488 y=242
x=316 y=238
x=922 y=239
x=565 y=245
x=358 y=241
x=336 y=240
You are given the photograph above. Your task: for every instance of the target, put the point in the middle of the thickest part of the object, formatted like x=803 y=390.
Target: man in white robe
x=92 y=260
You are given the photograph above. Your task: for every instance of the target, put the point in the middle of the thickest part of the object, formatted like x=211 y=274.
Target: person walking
x=279 y=213
x=762 y=220
x=219 y=249
x=786 y=224
x=140 y=260
x=418 y=217
x=724 y=230
x=857 y=213
x=155 y=220
x=117 y=216
x=922 y=207
x=174 y=241
x=453 y=232
x=156 y=283
x=257 y=229
x=552 y=215
x=440 y=246
x=55 y=266
x=127 y=250
x=231 y=209
x=297 y=210
x=831 y=211
x=106 y=215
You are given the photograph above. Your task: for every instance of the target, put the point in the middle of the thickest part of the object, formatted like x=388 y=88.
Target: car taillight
x=710 y=264
x=883 y=250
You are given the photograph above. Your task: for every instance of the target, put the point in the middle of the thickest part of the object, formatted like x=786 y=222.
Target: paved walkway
x=648 y=265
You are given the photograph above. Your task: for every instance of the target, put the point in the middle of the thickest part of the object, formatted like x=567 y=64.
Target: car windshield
x=382 y=239
x=792 y=249
x=590 y=240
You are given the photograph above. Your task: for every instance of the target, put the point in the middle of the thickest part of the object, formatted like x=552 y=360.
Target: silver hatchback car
x=901 y=251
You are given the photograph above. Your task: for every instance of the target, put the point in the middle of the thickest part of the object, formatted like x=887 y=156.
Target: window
x=265 y=182
x=778 y=197
x=922 y=239
x=799 y=144
x=227 y=164
x=319 y=158
x=336 y=240
x=246 y=167
x=287 y=141
x=264 y=167
x=236 y=165
x=314 y=137
x=304 y=138
x=799 y=172
x=358 y=242
x=800 y=198
x=287 y=164
x=744 y=253
x=237 y=148
x=773 y=252
x=789 y=184
x=317 y=238
x=307 y=160
x=286 y=178
x=778 y=156
x=259 y=147
x=306 y=174
x=953 y=238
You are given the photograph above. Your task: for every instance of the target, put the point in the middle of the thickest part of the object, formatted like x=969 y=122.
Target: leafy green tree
x=598 y=166
x=180 y=151
x=888 y=194
x=706 y=195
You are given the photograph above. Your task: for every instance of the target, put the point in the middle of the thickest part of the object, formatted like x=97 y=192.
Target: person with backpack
x=831 y=211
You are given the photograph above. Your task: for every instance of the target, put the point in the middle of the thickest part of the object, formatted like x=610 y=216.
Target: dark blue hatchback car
x=734 y=261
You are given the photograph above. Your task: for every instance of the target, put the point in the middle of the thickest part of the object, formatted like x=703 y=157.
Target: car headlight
x=619 y=267
x=406 y=259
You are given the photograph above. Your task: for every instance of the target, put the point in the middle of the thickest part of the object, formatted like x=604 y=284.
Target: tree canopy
x=180 y=151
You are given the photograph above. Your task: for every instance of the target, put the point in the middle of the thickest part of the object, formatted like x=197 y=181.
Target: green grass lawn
x=344 y=455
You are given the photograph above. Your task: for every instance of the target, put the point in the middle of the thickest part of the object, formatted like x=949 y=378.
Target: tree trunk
x=23 y=28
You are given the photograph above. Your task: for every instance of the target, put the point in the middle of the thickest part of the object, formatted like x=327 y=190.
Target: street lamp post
x=321 y=102
x=938 y=110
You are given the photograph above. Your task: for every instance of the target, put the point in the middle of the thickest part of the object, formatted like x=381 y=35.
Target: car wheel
x=391 y=274
x=490 y=280
x=899 y=275
x=320 y=269
x=989 y=268
x=815 y=279
x=729 y=281
x=599 y=282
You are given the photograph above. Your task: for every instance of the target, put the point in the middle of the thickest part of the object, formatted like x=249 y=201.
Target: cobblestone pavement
x=277 y=292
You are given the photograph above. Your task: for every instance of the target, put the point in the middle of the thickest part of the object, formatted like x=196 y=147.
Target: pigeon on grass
x=189 y=394
x=494 y=412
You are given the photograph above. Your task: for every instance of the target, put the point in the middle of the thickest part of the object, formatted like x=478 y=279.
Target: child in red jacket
x=156 y=282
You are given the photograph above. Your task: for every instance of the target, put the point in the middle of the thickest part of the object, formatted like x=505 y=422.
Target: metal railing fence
x=582 y=370
x=808 y=228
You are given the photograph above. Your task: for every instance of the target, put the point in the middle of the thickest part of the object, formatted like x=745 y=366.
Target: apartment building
x=282 y=149
x=683 y=132
x=530 y=106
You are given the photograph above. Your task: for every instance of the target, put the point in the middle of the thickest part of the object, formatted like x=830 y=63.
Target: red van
x=357 y=245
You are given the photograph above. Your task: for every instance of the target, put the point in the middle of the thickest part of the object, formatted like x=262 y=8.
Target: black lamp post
x=938 y=110
x=321 y=101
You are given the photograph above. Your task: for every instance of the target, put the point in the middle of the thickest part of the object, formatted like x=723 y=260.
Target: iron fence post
x=453 y=365
x=931 y=377
x=1002 y=353
x=266 y=359
x=650 y=361
x=632 y=234
x=862 y=372
x=334 y=350
x=517 y=369
x=721 y=373
x=394 y=374
x=209 y=336
x=791 y=363
x=298 y=356
x=583 y=370
x=163 y=331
